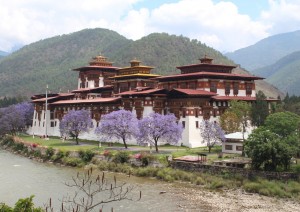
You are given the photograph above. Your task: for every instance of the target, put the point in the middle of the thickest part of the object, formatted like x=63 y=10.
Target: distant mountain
x=3 y=54
x=285 y=73
x=50 y=61
x=266 y=51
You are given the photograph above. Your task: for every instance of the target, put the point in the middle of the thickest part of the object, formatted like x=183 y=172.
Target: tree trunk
x=124 y=142
x=209 y=149
x=156 y=147
x=76 y=137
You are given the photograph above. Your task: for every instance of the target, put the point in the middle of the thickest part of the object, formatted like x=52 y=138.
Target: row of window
x=230 y=147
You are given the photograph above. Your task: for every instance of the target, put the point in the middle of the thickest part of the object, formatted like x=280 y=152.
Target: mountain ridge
x=266 y=51
x=285 y=73
x=49 y=61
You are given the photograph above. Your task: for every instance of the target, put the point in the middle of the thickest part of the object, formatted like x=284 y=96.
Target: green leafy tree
x=242 y=110
x=268 y=150
x=259 y=109
x=229 y=122
x=283 y=123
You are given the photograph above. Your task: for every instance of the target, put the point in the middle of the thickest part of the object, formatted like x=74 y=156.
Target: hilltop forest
x=50 y=61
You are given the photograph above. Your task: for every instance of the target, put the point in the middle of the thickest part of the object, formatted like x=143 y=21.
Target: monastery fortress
x=200 y=91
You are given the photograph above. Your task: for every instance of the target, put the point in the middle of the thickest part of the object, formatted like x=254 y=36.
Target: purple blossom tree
x=211 y=133
x=76 y=122
x=15 y=118
x=119 y=124
x=158 y=127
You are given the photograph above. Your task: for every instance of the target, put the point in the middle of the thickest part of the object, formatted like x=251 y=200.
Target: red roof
x=82 y=101
x=54 y=97
x=135 y=92
x=207 y=64
x=194 y=92
x=209 y=74
x=95 y=67
x=227 y=98
x=82 y=90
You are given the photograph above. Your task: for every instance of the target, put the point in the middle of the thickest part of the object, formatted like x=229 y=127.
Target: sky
x=225 y=25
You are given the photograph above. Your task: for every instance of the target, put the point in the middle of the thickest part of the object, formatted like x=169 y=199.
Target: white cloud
x=283 y=16
x=26 y=21
x=219 y=25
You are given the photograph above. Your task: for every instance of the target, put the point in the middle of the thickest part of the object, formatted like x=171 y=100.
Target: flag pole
x=46 y=108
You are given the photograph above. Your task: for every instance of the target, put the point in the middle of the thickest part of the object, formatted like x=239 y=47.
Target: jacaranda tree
x=15 y=117
x=121 y=125
x=211 y=133
x=157 y=127
x=76 y=122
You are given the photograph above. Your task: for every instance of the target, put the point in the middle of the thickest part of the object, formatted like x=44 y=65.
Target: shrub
x=121 y=157
x=49 y=152
x=199 y=181
x=73 y=162
x=37 y=153
x=296 y=168
x=7 y=140
x=58 y=156
x=86 y=156
x=146 y=171
x=216 y=184
x=146 y=158
x=26 y=205
x=67 y=153
x=18 y=146
x=5 y=208
x=165 y=174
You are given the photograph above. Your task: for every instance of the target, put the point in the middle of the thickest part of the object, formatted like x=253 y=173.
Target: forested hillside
x=50 y=61
x=266 y=51
x=285 y=73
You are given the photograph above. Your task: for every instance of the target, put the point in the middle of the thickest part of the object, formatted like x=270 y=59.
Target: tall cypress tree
x=259 y=109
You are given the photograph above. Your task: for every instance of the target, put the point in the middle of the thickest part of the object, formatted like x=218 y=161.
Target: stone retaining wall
x=248 y=173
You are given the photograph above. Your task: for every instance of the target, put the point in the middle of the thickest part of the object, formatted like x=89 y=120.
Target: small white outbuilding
x=234 y=142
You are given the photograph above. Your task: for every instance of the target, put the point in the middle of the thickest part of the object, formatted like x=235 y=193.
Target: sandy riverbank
x=233 y=201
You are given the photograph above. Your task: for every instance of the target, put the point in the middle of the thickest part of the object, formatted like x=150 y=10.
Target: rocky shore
x=234 y=201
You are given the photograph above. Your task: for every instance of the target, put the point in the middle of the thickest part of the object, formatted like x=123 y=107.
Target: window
x=183 y=114
x=239 y=148
x=206 y=114
x=51 y=124
x=192 y=85
x=196 y=113
x=228 y=147
x=52 y=114
x=248 y=89
x=213 y=87
x=183 y=124
x=236 y=88
x=227 y=88
x=183 y=85
x=197 y=124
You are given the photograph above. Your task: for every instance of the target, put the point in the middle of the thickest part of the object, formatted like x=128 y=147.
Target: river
x=21 y=177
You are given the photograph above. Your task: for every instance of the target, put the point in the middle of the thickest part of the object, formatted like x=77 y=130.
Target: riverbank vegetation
x=143 y=164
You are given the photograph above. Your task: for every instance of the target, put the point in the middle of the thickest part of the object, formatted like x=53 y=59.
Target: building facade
x=200 y=91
